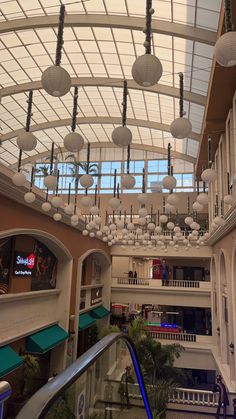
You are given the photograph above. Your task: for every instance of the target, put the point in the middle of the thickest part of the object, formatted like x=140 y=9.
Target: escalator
x=105 y=382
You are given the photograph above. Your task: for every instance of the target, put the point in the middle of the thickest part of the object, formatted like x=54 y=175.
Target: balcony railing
x=180 y=337
x=159 y=283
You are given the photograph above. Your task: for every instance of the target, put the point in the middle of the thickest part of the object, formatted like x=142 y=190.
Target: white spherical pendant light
x=85 y=233
x=56 y=201
x=170 y=225
x=86 y=201
x=56 y=81
x=120 y=224
x=73 y=142
x=169 y=208
x=142 y=198
x=69 y=209
x=50 y=182
x=74 y=218
x=86 y=181
x=99 y=233
x=163 y=219
x=57 y=216
x=228 y=200
x=130 y=226
x=46 y=206
x=18 y=179
x=128 y=181
x=29 y=197
x=177 y=229
x=172 y=199
x=142 y=221
x=151 y=226
x=114 y=203
x=158 y=229
x=188 y=220
x=219 y=221
x=121 y=136
x=169 y=182
x=181 y=128
x=225 y=49
x=147 y=70
x=209 y=175
x=94 y=210
x=26 y=141
x=97 y=220
x=197 y=207
x=142 y=212
x=202 y=198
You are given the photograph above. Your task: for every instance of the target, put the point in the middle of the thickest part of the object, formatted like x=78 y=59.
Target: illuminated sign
x=96 y=295
x=24 y=264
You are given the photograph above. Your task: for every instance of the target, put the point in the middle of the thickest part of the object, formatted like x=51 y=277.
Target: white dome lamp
x=128 y=181
x=30 y=197
x=225 y=47
x=86 y=180
x=26 y=141
x=181 y=127
x=19 y=178
x=73 y=141
x=209 y=175
x=55 y=79
x=147 y=69
x=122 y=136
x=169 y=181
x=46 y=206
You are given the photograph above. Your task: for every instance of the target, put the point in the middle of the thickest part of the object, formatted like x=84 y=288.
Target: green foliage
x=30 y=371
x=159 y=395
x=106 y=330
x=60 y=410
x=44 y=170
x=137 y=330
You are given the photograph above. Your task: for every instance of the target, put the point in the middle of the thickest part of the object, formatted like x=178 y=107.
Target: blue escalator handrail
x=40 y=403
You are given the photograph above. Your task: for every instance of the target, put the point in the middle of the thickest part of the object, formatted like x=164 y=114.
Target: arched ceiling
x=102 y=39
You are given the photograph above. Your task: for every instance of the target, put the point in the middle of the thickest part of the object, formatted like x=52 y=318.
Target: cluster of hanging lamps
x=55 y=79
x=147 y=69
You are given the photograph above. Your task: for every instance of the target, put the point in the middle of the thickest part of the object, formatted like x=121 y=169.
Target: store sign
x=96 y=296
x=24 y=264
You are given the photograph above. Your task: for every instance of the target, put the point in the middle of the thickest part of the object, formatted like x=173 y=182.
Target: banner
x=156 y=269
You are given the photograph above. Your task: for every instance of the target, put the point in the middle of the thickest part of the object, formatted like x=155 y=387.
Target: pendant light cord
x=60 y=35
x=228 y=16
x=181 y=95
x=29 y=111
x=74 y=113
x=148 y=28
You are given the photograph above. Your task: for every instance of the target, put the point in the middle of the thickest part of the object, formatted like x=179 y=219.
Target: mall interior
x=118 y=209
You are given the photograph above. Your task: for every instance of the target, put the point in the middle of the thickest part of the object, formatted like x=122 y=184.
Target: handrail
x=42 y=400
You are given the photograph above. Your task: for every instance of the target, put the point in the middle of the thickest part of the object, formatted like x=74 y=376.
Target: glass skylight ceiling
x=103 y=53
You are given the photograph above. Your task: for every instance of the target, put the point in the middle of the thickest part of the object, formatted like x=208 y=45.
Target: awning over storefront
x=46 y=339
x=99 y=312
x=9 y=360
x=85 y=320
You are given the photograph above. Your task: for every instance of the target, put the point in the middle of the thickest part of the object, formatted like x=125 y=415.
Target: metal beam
x=112 y=21
x=108 y=82
x=96 y=120
x=152 y=149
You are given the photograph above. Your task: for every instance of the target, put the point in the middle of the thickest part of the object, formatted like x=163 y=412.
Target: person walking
x=223 y=400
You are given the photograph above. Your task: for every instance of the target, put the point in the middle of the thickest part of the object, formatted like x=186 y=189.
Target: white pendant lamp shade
x=86 y=181
x=225 y=49
x=177 y=229
x=112 y=227
x=163 y=218
x=46 y=206
x=128 y=181
x=169 y=208
x=74 y=218
x=130 y=226
x=202 y=198
x=228 y=200
x=56 y=201
x=85 y=233
x=197 y=207
x=120 y=224
x=50 y=182
x=170 y=225
x=169 y=182
x=69 y=209
x=99 y=233
x=26 y=141
x=142 y=221
x=18 y=179
x=73 y=142
x=86 y=201
x=142 y=212
x=142 y=198
x=172 y=199
x=94 y=210
x=56 y=81
x=121 y=136
x=181 y=128
x=29 y=197
x=194 y=226
x=219 y=221
x=57 y=216
x=151 y=226
x=114 y=203
x=147 y=70
x=97 y=220
x=209 y=175
x=158 y=229
x=188 y=220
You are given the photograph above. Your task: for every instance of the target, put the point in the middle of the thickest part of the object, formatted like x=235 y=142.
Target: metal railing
x=182 y=283
x=158 y=282
x=133 y=281
x=180 y=337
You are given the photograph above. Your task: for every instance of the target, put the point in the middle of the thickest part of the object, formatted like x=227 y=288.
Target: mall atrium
x=118 y=203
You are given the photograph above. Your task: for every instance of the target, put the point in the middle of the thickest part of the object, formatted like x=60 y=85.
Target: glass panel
x=108 y=389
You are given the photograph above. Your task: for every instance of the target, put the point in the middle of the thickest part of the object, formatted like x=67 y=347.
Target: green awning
x=85 y=320
x=99 y=312
x=46 y=339
x=9 y=360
